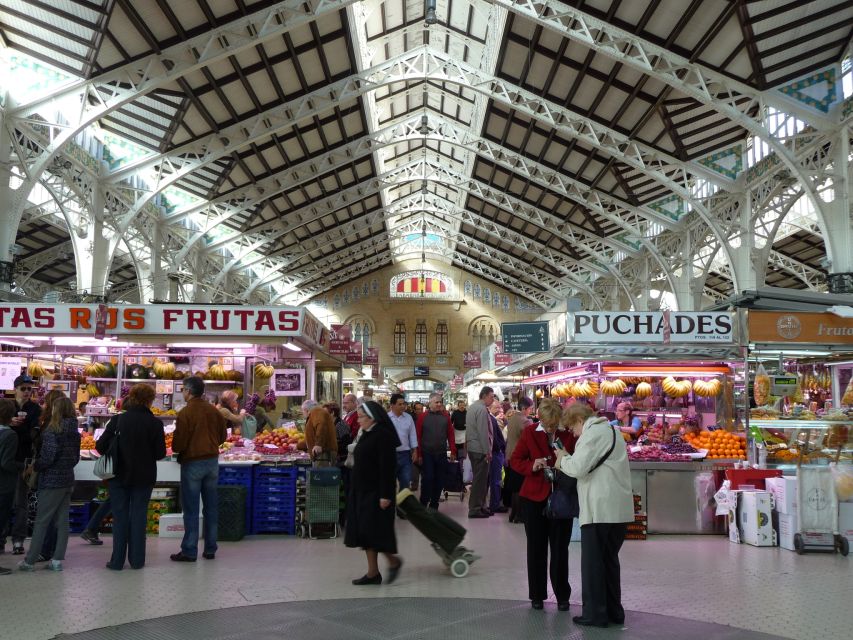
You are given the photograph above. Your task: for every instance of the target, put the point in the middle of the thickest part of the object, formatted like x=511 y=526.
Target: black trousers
x=544 y=535
x=602 y=590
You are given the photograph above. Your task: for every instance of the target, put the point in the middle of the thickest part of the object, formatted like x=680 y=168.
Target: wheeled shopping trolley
x=322 y=502
x=444 y=534
x=817 y=515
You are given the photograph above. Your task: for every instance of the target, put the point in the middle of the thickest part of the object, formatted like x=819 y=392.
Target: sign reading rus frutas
x=525 y=337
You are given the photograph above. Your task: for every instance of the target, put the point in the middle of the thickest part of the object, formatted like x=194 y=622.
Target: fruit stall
x=266 y=356
x=682 y=374
x=801 y=388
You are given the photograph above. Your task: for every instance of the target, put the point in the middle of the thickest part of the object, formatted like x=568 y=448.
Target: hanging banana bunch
x=264 y=371
x=35 y=370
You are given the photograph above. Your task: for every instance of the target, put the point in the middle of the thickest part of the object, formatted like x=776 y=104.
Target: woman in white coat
x=600 y=464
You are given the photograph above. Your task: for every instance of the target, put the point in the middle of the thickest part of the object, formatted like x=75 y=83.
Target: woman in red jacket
x=533 y=453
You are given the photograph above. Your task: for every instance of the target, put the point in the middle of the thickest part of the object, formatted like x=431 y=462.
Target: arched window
x=365 y=336
x=356 y=332
x=441 y=347
x=420 y=338
x=400 y=338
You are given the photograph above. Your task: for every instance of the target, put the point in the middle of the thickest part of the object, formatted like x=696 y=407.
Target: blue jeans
x=432 y=478
x=130 y=515
x=199 y=478
x=496 y=468
x=104 y=509
x=404 y=469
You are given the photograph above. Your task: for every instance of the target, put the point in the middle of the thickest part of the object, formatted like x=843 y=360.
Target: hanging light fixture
x=429 y=13
x=422 y=279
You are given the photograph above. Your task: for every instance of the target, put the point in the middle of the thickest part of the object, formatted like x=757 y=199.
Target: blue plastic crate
x=264 y=497
x=273 y=482
x=285 y=489
x=280 y=510
x=285 y=528
x=235 y=474
x=267 y=470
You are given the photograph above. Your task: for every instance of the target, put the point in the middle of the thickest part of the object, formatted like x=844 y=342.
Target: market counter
x=167 y=471
x=677 y=496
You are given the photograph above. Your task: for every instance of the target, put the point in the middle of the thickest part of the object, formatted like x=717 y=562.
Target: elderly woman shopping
x=600 y=464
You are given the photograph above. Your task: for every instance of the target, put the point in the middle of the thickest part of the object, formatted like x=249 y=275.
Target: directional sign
x=525 y=337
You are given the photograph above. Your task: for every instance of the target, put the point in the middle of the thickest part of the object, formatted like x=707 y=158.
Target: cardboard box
x=784 y=490
x=845 y=520
x=786 y=527
x=755 y=517
x=172 y=525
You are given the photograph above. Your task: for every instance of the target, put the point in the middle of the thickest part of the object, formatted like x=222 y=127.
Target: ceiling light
x=84 y=341
x=424 y=128
x=210 y=345
x=430 y=17
x=12 y=342
x=290 y=346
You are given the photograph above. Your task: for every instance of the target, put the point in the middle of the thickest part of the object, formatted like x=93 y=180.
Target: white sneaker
x=55 y=565
x=23 y=566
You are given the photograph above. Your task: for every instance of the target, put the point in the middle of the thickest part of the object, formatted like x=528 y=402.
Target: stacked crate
x=78 y=516
x=162 y=501
x=637 y=529
x=242 y=475
x=274 y=499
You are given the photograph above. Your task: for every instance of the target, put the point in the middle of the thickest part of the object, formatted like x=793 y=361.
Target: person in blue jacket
x=625 y=420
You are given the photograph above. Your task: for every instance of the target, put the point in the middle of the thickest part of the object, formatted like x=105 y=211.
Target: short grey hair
x=435 y=395
x=308 y=405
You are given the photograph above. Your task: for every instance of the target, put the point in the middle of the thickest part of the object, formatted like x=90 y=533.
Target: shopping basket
x=322 y=501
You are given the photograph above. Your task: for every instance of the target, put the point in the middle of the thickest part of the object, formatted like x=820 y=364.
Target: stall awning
x=610 y=352
x=531 y=361
x=778 y=299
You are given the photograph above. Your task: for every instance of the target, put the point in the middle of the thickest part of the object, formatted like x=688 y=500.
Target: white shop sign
x=10 y=368
x=662 y=327
x=175 y=320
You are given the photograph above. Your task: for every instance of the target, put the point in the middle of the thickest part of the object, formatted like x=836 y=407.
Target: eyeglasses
x=25 y=389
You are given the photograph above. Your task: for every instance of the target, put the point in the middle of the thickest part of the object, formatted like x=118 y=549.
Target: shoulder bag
x=563 y=502
x=105 y=466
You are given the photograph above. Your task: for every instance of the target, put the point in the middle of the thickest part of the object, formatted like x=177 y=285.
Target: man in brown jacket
x=320 y=435
x=199 y=431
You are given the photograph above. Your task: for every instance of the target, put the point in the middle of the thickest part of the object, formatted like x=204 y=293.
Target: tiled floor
x=705 y=579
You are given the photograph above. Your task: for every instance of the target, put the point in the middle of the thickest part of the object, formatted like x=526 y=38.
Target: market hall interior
x=273 y=586
x=604 y=201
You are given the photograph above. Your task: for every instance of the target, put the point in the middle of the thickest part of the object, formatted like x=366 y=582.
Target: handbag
x=350 y=461
x=105 y=466
x=563 y=502
x=32 y=480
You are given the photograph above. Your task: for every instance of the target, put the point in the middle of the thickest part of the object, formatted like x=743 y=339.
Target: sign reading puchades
x=525 y=337
x=167 y=319
x=422 y=284
x=662 y=327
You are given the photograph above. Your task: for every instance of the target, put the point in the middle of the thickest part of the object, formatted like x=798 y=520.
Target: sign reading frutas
x=662 y=327
x=525 y=337
x=800 y=327
x=175 y=320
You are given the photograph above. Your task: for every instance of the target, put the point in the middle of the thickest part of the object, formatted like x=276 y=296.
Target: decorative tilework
x=673 y=207
x=726 y=162
x=818 y=90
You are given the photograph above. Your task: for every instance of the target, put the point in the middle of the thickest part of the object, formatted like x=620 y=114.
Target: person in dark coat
x=370 y=509
x=141 y=442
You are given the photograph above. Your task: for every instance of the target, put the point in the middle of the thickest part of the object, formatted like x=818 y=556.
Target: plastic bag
x=843 y=477
x=761 y=387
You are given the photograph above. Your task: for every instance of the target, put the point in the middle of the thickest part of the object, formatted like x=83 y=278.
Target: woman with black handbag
x=534 y=458
x=135 y=440
x=600 y=464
